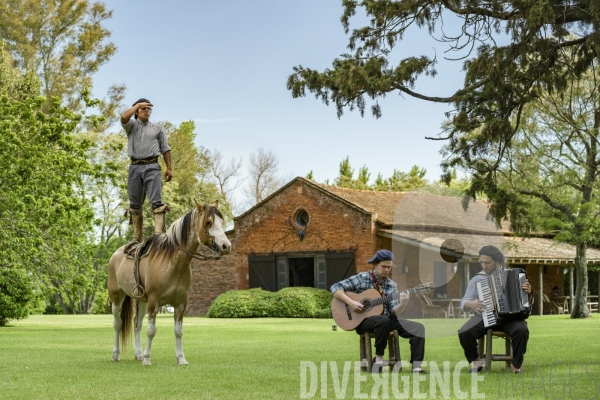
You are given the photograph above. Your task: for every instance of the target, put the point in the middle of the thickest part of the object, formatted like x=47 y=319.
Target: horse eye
x=208 y=224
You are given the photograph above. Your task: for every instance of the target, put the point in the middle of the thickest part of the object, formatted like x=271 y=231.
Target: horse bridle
x=210 y=242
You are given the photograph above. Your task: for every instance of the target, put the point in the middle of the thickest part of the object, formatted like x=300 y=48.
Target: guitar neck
x=393 y=296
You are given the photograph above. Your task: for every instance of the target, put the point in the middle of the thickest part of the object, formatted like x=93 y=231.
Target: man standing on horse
x=145 y=143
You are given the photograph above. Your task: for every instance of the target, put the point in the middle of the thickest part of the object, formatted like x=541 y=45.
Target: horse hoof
x=116 y=357
x=146 y=361
x=139 y=357
x=181 y=361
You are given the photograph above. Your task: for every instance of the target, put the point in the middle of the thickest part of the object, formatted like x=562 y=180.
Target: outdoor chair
x=551 y=307
x=366 y=351
x=430 y=310
x=486 y=342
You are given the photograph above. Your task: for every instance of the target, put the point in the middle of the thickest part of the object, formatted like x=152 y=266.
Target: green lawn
x=69 y=357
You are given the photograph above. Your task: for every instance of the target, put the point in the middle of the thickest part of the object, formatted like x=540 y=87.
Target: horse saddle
x=136 y=249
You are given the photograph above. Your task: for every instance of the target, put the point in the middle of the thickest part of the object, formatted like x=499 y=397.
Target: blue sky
x=225 y=65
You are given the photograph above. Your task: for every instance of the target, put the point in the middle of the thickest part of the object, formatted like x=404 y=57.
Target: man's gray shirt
x=471 y=293
x=145 y=140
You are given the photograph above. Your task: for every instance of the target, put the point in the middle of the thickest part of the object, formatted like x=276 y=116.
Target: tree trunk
x=580 y=308
x=60 y=301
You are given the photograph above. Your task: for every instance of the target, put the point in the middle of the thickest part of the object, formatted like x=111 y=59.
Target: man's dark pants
x=473 y=330
x=142 y=180
x=382 y=325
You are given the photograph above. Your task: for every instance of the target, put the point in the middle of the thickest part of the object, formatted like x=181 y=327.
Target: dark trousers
x=473 y=330
x=144 y=180
x=382 y=325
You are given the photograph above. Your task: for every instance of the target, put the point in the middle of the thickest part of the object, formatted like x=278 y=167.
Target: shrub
x=101 y=303
x=241 y=304
x=295 y=302
x=16 y=291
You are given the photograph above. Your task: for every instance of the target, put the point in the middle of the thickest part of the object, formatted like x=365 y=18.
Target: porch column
x=541 y=294
x=571 y=288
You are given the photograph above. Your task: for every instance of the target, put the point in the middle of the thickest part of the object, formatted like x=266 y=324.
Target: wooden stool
x=366 y=353
x=488 y=355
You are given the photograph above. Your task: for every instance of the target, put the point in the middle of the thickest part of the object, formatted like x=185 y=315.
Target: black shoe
x=421 y=371
x=376 y=368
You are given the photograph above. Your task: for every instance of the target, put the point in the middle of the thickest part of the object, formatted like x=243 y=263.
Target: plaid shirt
x=361 y=282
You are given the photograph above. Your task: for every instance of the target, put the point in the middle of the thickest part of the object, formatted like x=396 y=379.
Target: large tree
x=512 y=53
x=63 y=42
x=549 y=177
x=46 y=218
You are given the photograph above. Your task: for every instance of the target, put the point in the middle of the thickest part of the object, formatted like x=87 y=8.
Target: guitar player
x=382 y=325
x=491 y=259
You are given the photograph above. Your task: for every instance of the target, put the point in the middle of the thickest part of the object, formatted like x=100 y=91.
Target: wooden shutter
x=262 y=272
x=339 y=266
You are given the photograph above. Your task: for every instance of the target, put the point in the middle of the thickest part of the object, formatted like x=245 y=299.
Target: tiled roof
x=518 y=250
x=383 y=204
x=417 y=209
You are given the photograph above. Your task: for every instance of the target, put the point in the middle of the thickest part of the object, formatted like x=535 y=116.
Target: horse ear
x=198 y=205
x=216 y=204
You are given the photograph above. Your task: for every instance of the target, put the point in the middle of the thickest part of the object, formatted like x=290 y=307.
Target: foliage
x=241 y=304
x=547 y=179
x=101 y=303
x=301 y=302
x=191 y=173
x=398 y=182
x=346 y=176
x=402 y=181
x=499 y=78
x=62 y=42
x=106 y=189
x=16 y=291
x=294 y=302
x=45 y=223
x=513 y=54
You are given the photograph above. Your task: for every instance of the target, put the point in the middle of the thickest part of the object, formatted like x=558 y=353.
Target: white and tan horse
x=165 y=276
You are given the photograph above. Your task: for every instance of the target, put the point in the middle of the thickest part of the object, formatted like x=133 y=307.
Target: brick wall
x=209 y=280
x=333 y=225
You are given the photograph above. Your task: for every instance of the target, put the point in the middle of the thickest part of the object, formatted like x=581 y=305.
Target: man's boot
x=159 y=219
x=137 y=218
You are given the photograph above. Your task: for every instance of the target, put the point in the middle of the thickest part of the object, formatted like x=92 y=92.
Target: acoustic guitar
x=372 y=302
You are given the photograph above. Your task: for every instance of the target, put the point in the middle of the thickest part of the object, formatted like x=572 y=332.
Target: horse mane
x=165 y=244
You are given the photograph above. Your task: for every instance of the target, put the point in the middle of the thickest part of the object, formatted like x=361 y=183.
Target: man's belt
x=149 y=160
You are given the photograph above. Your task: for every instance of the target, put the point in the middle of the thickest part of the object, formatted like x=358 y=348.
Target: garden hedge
x=293 y=302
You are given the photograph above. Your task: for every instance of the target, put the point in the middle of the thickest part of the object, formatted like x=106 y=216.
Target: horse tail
x=126 y=321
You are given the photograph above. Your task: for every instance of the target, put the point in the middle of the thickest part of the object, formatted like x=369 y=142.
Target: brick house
x=311 y=234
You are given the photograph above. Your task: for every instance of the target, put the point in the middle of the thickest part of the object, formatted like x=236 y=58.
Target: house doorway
x=301 y=271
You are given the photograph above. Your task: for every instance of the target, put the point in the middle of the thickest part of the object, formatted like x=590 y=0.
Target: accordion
x=503 y=296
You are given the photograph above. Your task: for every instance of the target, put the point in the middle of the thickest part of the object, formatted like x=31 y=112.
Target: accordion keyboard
x=484 y=293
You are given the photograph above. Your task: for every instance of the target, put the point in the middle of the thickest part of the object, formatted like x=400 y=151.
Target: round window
x=301 y=218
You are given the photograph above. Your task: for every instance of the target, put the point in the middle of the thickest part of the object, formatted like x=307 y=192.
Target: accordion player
x=510 y=314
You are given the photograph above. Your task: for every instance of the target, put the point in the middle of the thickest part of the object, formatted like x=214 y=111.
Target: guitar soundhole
x=366 y=303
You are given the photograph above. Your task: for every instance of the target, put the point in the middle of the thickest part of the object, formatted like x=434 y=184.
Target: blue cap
x=381 y=255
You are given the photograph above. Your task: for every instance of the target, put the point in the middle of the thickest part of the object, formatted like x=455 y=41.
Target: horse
x=162 y=277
